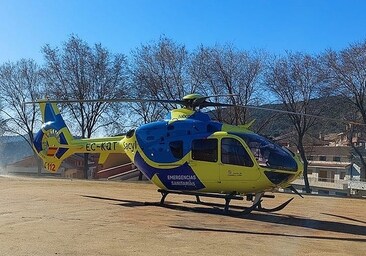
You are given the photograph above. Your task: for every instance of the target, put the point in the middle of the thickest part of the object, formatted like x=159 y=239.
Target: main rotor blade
x=201 y=103
x=213 y=104
x=200 y=100
x=185 y=102
x=180 y=102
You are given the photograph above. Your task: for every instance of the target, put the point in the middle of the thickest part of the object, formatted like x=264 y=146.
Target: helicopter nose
x=278 y=177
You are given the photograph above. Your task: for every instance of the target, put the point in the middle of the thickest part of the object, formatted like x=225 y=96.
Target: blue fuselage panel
x=177 y=178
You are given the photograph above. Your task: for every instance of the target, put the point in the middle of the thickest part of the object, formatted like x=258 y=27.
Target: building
x=118 y=167
x=333 y=167
x=330 y=170
x=72 y=167
x=26 y=166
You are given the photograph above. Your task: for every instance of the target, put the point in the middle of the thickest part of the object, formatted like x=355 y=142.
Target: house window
x=342 y=175
x=233 y=152
x=322 y=158
x=323 y=176
x=204 y=150
x=310 y=158
x=336 y=158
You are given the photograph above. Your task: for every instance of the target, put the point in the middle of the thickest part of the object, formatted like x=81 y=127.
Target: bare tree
x=347 y=77
x=20 y=82
x=226 y=70
x=159 y=71
x=295 y=80
x=2 y=120
x=79 y=71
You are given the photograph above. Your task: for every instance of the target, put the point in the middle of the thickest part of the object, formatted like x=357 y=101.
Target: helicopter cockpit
x=269 y=154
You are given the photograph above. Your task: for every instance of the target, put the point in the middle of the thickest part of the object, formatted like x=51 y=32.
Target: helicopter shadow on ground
x=344 y=217
x=272 y=218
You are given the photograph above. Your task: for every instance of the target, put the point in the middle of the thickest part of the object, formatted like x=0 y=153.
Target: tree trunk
x=306 y=179
x=39 y=164
x=306 y=164
x=86 y=165
x=362 y=161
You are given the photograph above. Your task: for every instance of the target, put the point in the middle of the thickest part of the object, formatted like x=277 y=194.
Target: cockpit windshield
x=267 y=153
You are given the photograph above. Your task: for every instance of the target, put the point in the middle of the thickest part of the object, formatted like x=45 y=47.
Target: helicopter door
x=236 y=162
x=204 y=159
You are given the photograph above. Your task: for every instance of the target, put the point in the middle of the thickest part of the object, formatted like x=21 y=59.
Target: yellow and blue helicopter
x=186 y=153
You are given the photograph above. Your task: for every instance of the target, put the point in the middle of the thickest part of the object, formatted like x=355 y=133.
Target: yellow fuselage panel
x=180 y=114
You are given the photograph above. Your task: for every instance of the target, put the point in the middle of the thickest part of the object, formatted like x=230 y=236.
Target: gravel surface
x=40 y=216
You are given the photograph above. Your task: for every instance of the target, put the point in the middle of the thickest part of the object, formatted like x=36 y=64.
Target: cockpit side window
x=233 y=152
x=267 y=153
x=204 y=150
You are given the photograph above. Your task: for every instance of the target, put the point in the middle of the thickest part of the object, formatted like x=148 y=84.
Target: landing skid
x=257 y=204
x=256 y=200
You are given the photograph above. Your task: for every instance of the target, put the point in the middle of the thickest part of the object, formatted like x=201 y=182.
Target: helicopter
x=186 y=153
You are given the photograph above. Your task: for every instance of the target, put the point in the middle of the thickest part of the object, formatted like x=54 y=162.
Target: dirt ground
x=40 y=216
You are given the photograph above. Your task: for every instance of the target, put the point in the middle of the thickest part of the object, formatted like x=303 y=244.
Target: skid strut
x=257 y=204
x=255 y=198
x=227 y=197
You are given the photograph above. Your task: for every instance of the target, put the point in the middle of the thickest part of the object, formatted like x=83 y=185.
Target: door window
x=204 y=150
x=233 y=152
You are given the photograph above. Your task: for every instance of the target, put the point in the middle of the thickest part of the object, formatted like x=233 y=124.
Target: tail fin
x=53 y=141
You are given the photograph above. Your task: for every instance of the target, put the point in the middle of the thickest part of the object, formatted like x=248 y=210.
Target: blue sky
x=122 y=25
